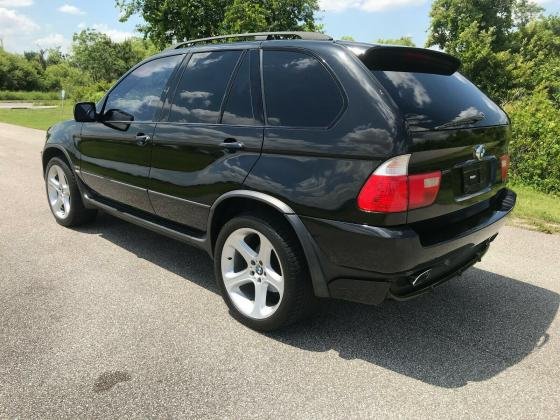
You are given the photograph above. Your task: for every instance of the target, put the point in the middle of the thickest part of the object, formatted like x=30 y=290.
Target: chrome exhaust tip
x=421 y=278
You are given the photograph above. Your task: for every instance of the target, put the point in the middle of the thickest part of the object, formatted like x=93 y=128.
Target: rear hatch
x=453 y=127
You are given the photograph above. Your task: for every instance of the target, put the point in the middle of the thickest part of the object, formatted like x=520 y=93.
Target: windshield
x=432 y=101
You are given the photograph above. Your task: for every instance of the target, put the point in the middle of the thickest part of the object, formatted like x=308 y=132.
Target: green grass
x=36 y=118
x=6 y=95
x=536 y=210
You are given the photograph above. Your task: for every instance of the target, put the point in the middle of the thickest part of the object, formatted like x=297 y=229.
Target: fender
x=318 y=277
x=57 y=146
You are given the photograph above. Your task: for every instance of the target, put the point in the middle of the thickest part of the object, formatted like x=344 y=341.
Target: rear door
x=116 y=151
x=211 y=136
x=454 y=128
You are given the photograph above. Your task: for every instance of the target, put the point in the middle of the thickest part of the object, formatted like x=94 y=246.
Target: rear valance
x=408 y=59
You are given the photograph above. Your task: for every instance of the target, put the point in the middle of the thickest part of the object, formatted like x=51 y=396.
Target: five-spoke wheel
x=58 y=191
x=262 y=273
x=252 y=273
x=64 y=196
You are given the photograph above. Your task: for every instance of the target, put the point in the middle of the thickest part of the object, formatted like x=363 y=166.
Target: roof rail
x=258 y=36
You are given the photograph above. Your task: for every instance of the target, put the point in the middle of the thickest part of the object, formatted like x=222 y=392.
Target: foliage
x=536 y=49
x=489 y=70
x=450 y=18
x=92 y=92
x=507 y=47
x=92 y=67
x=347 y=38
x=403 y=40
x=172 y=20
x=535 y=146
x=17 y=73
x=244 y=16
x=28 y=96
x=103 y=59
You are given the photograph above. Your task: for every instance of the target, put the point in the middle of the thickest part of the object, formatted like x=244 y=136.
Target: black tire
x=78 y=214
x=298 y=300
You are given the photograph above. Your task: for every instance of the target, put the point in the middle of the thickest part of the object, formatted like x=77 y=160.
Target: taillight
x=391 y=190
x=423 y=189
x=504 y=166
x=386 y=190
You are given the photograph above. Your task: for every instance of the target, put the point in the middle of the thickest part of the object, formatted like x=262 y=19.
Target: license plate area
x=476 y=177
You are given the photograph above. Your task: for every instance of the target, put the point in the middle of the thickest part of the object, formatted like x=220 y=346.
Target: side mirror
x=85 y=112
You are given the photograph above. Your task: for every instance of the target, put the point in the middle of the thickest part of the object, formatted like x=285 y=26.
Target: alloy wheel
x=252 y=273
x=58 y=192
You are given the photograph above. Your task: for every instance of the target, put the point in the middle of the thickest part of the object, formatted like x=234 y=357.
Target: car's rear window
x=429 y=101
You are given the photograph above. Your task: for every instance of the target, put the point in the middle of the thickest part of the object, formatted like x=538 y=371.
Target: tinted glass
x=299 y=91
x=200 y=92
x=431 y=100
x=140 y=93
x=239 y=106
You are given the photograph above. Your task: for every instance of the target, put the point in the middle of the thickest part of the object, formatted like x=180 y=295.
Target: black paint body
x=184 y=174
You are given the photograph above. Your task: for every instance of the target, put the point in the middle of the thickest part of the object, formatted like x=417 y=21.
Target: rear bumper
x=369 y=264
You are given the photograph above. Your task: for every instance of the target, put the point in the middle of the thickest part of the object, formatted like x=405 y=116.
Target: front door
x=116 y=151
x=211 y=137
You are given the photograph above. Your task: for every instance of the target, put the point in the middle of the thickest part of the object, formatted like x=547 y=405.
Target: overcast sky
x=29 y=24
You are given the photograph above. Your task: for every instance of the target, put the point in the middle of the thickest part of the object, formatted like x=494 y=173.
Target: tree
x=487 y=37
x=54 y=56
x=489 y=70
x=166 y=21
x=172 y=20
x=347 y=38
x=103 y=59
x=403 y=40
x=536 y=50
x=291 y=15
x=526 y=11
x=243 y=16
x=17 y=73
x=450 y=18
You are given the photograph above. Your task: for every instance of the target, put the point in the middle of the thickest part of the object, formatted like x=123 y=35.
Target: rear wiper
x=461 y=121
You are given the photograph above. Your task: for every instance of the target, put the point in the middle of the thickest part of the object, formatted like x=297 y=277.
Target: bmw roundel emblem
x=479 y=151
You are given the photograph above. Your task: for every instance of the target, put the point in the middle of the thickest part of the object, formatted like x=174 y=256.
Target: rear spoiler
x=407 y=59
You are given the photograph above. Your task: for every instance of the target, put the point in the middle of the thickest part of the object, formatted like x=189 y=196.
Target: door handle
x=142 y=139
x=232 y=145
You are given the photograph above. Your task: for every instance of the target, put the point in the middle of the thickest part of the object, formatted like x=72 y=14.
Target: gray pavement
x=115 y=321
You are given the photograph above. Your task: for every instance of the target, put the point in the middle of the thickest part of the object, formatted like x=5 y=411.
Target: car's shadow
x=470 y=329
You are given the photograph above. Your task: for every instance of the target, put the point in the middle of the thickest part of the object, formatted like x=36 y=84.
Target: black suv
x=305 y=167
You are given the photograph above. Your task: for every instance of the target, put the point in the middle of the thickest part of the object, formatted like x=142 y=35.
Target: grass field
x=6 y=95
x=534 y=210
x=36 y=118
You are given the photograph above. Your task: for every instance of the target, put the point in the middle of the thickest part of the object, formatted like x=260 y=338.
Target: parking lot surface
x=112 y=320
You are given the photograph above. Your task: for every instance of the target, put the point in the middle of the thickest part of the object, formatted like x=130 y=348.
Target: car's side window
x=299 y=90
x=239 y=108
x=140 y=93
x=199 y=94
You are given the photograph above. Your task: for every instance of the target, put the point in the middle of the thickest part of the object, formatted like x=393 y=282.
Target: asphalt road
x=115 y=321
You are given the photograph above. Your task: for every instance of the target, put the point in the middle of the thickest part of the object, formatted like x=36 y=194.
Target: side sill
x=155 y=227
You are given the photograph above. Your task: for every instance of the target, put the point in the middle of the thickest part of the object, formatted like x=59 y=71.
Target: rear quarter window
x=299 y=90
x=431 y=100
